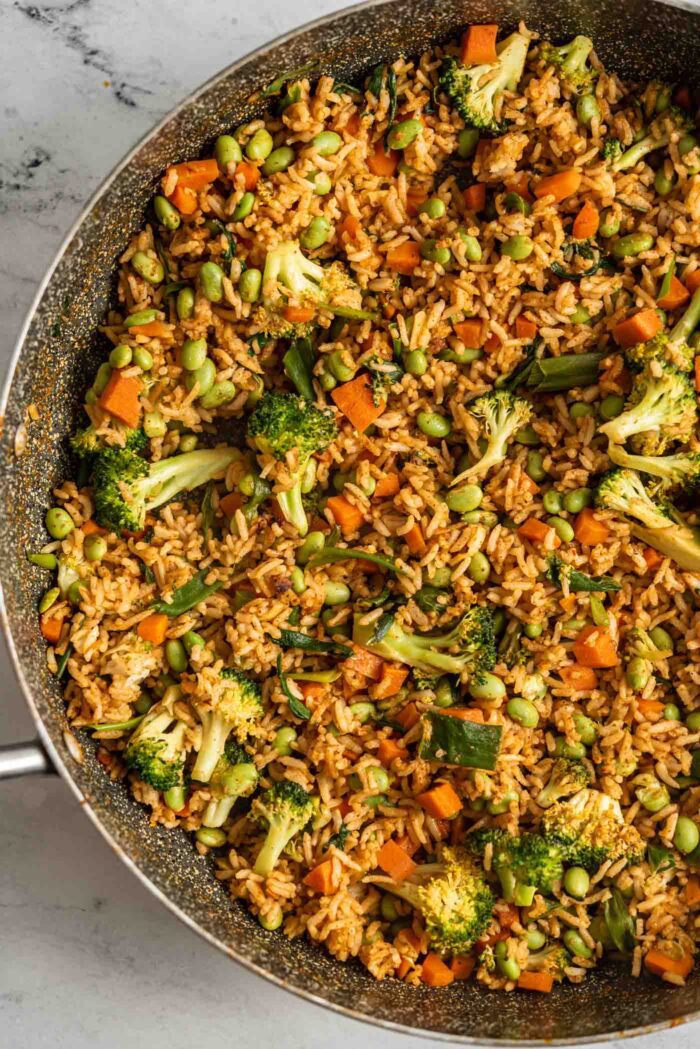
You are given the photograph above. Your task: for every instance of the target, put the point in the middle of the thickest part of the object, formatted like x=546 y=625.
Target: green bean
x=150 y=269
x=154 y=424
x=586 y=728
x=363 y=711
x=581 y=410
x=580 y=315
x=609 y=223
x=327 y=143
x=433 y=252
x=672 y=712
x=204 y=376
x=121 y=355
x=59 y=523
x=518 y=247
x=472 y=248
x=166 y=213
x=574 y=942
x=227 y=152
x=212 y=837
x=143 y=358
x=193 y=354
x=465 y=498
x=577 y=500
x=279 y=160
x=313 y=544
x=534 y=469
x=686 y=836
x=535 y=938
x=49 y=598
x=222 y=393
x=49 y=561
x=467 y=141
x=662 y=183
x=661 y=638
x=551 y=501
x=184 y=304
x=188 y=442
x=523 y=712
x=337 y=361
x=433 y=425
x=102 y=377
x=487 y=687
x=283 y=740
x=564 y=749
x=562 y=527
x=587 y=110
x=316 y=233
x=244 y=207
x=260 y=145
x=416 y=363
x=631 y=245
x=336 y=593
x=479 y=568
x=176 y=656
x=577 y=882
x=141 y=317
x=249 y=285
x=211 y=279
x=611 y=406
x=433 y=208
x=404 y=133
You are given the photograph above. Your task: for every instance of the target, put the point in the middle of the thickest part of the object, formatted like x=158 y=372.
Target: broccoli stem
x=292 y=506
x=639 y=150
x=681 y=544
x=215 y=732
x=688 y=322
x=270 y=853
x=181 y=473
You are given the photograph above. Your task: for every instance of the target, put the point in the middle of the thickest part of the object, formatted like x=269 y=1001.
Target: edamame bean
x=462 y=500
x=166 y=213
x=341 y=365
x=534 y=469
x=479 y=568
x=484 y=517
x=191 y=640
x=313 y=544
x=176 y=656
x=532 y=630
x=444 y=693
x=279 y=160
x=686 y=835
x=535 y=938
x=102 y=376
x=487 y=687
x=551 y=501
x=205 y=377
x=580 y=315
x=577 y=882
x=527 y=435
x=211 y=279
x=416 y=363
x=327 y=143
x=377 y=778
x=271 y=920
x=404 y=133
x=244 y=207
x=283 y=740
x=465 y=356
x=631 y=245
x=193 y=354
x=523 y=712
x=586 y=728
x=150 y=269
x=140 y=317
x=672 y=712
x=650 y=793
x=609 y=223
x=298 y=580
x=154 y=424
x=433 y=208
x=188 y=442
x=174 y=798
x=509 y=968
x=562 y=527
x=580 y=410
x=260 y=145
x=220 y=394
x=442 y=576
x=587 y=110
x=143 y=358
x=574 y=942
x=59 y=523
x=212 y=837
x=611 y=406
x=686 y=144
x=316 y=233
x=467 y=141
x=249 y=285
x=564 y=749
x=49 y=561
x=387 y=908
x=518 y=247
x=74 y=592
x=472 y=248
x=49 y=598
x=433 y=252
x=363 y=711
x=143 y=704
x=662 y=183
x=120 y=356
x=693 y=721
x=661 y=638
x=327 y=380
x=336 y=593
x=184 y=304
x=575 y=501
x=227 y=151
x=433 y=425
x=638 y=673
x=497 y=808
x=322 y=183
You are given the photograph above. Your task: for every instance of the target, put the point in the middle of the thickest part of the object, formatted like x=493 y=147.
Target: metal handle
x=24 y=759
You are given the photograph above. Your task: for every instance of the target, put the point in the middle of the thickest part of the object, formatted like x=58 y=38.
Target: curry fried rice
x=379 y=572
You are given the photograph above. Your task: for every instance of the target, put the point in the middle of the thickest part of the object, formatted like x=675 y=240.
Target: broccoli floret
x=589 y=829
x=612 y=150
x=284 y=809
x=290 y=278
x=471 y=639
x=568 y=776
x=553 y=960
x=502 y=414
x=126 y=487
x=658 y=135
x=234 y=776
x=67 y=574
x=235 y=707
x=579 y=582
x=571 y=62
x=669 y=347
x=453 y=899
x=524 y=864
x=639 y=644
x=156 y=749
x=129 y=663
x=475 y=90
x=290 y=429
x=87 y=443
x=682 y=470
x=661 y=408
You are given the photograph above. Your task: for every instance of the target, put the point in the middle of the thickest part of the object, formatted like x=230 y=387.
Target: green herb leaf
x=520 y=375
x=584 y=250
x=451 y=741
x=660 y=859
x=382 y=628
x=298 y=709
x=294 y=617
x=187 y=596
x=63 y=661
x=340 y=87
x=295 y=639
x=579 y=582
x=339 y=839
x=214 y=226
x=284 y=78
x=331 y=555
x=619 y=923
x=147 y=573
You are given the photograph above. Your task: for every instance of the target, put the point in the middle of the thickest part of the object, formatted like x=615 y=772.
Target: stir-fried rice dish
x=379 y=568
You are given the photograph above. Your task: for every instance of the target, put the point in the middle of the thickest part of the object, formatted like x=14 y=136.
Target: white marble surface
x=86 y=952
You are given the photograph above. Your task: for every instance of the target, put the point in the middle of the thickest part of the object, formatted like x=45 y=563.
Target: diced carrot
x=194 y=174
x=321 y=878
x=386 y=486
x=364 y=662
x=492 y=344
x=407 y=717
x=153 y=628
x=465 y=714
x=659 y=963
x=580 y=678
x=395 y=861
x=414 y=539
x=525 y=329
x=356 y=401
x=389 y=750
x=404 y=258
x=677 y=295
x=471 y=332
x=692 y=892
x=479 y=45
x=652 y=709
x=347 y=516
x=586 y=222
x=51 y=626
x=696 y=368
x=441 y=801
x=184 y=199
x=352 y=125
x=588 y=529
x=435 y=973
x=560 y=186
x=462 y=966
x=682 y=97
x=404 y=968
x=249 y=173
x=231 y=502
x=312 y=691
x=475 y=197
x=537 y=532
x=595 y=648
x=298 y=314
x=120 y=398
x=520 y=183
x=542 y=982
x=692 y=281
x=390 y=683
x=652 y=557
x=382 y=162
x=641 y=327
x=415 y=198
x=154 y=330
x=91 y=527
x=568 y=604
x=349 y=227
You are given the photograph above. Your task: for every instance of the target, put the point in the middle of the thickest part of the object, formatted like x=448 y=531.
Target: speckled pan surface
x=636 y=38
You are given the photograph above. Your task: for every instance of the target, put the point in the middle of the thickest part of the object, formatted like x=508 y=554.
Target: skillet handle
x=24 y=759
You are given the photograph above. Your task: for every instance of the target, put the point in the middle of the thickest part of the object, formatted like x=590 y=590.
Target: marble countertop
x=90 y=959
